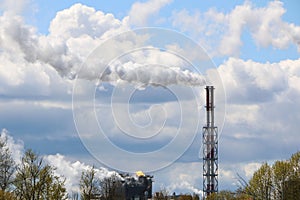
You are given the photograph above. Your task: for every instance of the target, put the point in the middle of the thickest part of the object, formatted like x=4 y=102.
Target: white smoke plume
x=155 y=75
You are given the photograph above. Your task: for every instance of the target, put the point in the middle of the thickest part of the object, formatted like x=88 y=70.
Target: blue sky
x=151 y=96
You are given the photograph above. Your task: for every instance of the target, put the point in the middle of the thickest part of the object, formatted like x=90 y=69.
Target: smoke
x=144 y=75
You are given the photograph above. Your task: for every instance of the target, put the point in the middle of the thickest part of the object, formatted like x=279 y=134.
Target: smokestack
x=210 y=146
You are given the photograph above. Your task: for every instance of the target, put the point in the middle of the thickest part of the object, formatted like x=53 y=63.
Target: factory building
x=138 y=187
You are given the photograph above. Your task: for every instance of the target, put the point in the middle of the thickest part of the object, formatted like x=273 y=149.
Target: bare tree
x=111 y=188
x=162 y=194
x=89 y=184
x=7 y=166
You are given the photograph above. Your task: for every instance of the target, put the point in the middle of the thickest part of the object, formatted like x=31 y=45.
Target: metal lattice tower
x=210 y=146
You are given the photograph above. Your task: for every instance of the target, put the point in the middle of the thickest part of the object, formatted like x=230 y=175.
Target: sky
x=120 y=85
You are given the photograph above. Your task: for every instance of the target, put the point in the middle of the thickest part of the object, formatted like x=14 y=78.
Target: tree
x=89 y=184
x=35 y=180
x=295 y=165
x=279 y=181
x=228 y=195
x=222 y=195
x=185 y=197
x=6 y=195
x=260 y=185
x=196 y=197
x=160 y=196
x=7 y=165
x=291 y=185
x=281 y=171
x=92 y=187
x=55 y=189
x=111 y=188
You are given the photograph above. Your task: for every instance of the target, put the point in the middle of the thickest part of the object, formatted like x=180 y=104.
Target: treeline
x=34 y=179
x=279 y=181
x=162 y=196
x=93 y=187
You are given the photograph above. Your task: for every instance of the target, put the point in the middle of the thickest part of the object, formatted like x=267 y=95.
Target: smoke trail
x=154 y=75
x=142 y=76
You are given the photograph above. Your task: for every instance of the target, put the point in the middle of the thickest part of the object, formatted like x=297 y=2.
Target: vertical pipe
x=210 y=166
x=212 y=140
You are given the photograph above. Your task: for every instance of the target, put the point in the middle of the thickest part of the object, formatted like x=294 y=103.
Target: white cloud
x=20 y=73
x=80 y=20
x=14 y=8
x=229 y=173
x=66 y=47
x=249 y=82
x=262 y=109
x=184 y=186
x=252 y=81
x=180 y=178
x=63 y=47
x=72 y=171
x=19 y=78
x=15 y=147
x=17 y=38
x=140 y=13
x=268 y=27
x=250 y=168
x=234 y=116
x=221 y=33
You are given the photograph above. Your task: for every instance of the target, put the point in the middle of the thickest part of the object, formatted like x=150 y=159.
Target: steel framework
x=210 y=147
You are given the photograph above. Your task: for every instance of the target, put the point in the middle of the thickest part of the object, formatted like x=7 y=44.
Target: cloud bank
x=66 y=47
x=141 y=12
x=224 y=30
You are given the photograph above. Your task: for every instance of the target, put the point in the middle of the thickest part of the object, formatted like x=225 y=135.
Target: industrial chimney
x=210 y=146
